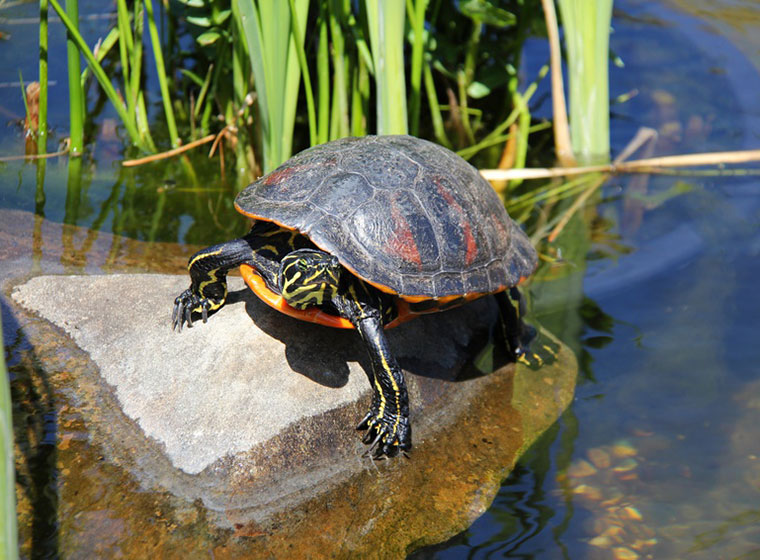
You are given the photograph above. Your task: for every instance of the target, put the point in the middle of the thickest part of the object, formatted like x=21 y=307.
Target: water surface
x=659 y=455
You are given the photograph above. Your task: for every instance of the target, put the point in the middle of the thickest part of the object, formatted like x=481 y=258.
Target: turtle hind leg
x=526 y=344
x=517 y=334
x=208 y=270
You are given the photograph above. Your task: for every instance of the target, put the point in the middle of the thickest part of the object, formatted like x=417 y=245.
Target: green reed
x=127 y=119
x=587 y=30
x=301 y=54
x=76 y=96
x=43 y=78
x=415 y=11
x=163 y=80
x=385 y=20
x=253 y=55
x=271 y=45
x=8 y=528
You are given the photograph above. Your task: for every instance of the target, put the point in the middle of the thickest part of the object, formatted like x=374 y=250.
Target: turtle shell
x=406 y=215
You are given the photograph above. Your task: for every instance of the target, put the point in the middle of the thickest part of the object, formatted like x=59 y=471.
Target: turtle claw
x=185 y=305
x=387 y=435
x=543 y=351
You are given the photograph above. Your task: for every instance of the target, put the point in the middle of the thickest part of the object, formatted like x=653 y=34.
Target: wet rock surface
x=237 y=436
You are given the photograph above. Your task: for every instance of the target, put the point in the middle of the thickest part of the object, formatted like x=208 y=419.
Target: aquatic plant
x=273 y=32
x=346 y=53
x=43 y=79
x=587 y=32
x=76 y=95
x=8 y=530
x=386 y=31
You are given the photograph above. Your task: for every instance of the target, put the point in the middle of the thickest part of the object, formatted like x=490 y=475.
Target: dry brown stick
x=647 y=165
x=217 y=140
x=562 y=143
x=35 y=156
x=168 y=153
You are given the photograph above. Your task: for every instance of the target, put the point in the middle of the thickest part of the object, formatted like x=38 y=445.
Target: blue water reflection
x=659 y=456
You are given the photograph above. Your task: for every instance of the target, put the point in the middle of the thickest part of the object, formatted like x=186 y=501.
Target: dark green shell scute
x=400 y=212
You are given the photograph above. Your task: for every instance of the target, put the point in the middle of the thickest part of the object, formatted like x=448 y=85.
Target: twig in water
x=646 y=165
x=38 y=156
x=168 y=153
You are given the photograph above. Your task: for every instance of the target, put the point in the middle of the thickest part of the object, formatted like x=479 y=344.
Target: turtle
x=366 y=233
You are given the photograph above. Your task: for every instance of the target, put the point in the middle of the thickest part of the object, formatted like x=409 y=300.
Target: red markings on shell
x=471 y=246
x=402 y=241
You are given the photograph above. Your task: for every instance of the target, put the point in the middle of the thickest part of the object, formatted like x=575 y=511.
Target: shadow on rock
x=319 y=353
x=431 y=346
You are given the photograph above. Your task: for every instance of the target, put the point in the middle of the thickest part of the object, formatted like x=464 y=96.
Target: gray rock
x=251 y=396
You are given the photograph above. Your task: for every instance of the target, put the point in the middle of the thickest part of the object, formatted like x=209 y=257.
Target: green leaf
x=487 y=81
x=193 y=3
x=478 y=90
x=485 y=11
x=100 y=75
x=193 y=76
x=385 y=19
x=221 y=17
x=8 y=523
x=208 y=38
x=199 y=21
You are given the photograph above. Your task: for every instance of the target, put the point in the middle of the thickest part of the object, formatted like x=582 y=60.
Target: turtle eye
x=302 y=265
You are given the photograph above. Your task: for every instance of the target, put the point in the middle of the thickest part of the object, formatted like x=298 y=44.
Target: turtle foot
x=387 y=434
x=542 y=351
x=187 y=303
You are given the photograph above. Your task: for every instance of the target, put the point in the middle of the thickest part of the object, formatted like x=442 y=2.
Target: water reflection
x=35 y=430
x=659 y=455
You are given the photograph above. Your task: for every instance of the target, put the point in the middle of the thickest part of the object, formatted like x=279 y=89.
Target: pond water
x=659 y=455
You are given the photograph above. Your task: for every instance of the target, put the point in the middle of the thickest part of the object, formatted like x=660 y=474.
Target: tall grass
x=130 y=106
x=274 y=37
x=416 y=15
x=254 y=56
x=386 y=31
x=587 y=29
x=76 y=97
x=268 y=29
x=43 y=77
x=158 y=57
x=127 y=119
x=8 y=528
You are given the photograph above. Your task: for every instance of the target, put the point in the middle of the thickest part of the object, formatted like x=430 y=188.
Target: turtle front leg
x=208 y=270
x=387 y=422
x=309 y=277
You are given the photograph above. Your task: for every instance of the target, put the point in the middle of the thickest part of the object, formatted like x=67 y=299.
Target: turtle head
x=308 y=277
